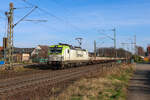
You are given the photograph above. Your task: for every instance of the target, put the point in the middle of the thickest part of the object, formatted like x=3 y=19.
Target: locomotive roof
x=71 y=47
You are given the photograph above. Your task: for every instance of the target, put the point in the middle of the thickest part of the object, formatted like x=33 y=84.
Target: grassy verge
x=112 y=85
x=16 y=69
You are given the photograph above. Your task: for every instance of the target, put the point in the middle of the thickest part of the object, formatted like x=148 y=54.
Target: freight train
x=63 y=56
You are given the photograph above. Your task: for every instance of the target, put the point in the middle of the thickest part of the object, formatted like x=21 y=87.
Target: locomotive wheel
x=62 y=66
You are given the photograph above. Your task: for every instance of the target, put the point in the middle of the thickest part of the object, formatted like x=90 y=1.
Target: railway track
x=29 y=69
x=52 y=77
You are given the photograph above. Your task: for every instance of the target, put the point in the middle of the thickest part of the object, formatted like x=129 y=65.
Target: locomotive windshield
x=55 y=50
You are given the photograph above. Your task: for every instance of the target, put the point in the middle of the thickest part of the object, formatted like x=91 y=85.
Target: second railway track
x=53 y=77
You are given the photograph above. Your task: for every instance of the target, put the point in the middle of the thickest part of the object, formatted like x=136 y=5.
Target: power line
x=67 y=10
x=52 y=15
x=30 y=6
x=60 y=5
x=2 y=11
x=112 y=38
x=36 y=20
x=2 y=18
x=25 y=16
x=19 y=2
x=23 y=7
x=60 y=19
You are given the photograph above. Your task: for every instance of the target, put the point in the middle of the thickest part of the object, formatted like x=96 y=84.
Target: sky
x=70 y=19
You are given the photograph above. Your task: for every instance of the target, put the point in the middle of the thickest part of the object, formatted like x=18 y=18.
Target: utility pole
x=132 y=43
x=126 y=51
x=9 y=50
x=114 y=30
x=135 y=50
x=114 y=39
x=95 y=49
x=10 y=35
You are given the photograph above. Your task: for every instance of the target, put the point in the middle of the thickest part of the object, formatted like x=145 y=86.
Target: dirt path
x=139 y=88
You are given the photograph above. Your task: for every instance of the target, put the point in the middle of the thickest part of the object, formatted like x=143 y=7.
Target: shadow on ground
x=143 y=63
x=38 y=66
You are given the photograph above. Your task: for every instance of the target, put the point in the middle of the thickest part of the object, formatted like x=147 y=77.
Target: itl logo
x=79 y=55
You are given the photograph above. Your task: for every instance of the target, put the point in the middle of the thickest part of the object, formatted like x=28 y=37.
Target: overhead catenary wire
x=67 y=10
x=106 y=35
x=2 y=18
x=31 y=5
x=23 y=7
x=52 y=15
x=19 y=2
x=35 y=20
x=60 y=19
x=25 y=16
x=2 y=12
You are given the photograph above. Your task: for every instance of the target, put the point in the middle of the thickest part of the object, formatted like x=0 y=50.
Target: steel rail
x=49 y=78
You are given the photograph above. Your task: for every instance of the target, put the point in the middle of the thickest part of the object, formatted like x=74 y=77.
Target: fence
x=39 y=60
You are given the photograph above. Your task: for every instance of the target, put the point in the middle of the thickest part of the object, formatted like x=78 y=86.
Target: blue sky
x=80 y=18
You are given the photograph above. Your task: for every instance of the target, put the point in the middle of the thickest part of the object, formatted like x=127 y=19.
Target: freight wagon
x=64 y=56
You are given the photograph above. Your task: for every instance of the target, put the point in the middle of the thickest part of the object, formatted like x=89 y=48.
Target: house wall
x=25 y=57
x=17 y=58
x=35 y=51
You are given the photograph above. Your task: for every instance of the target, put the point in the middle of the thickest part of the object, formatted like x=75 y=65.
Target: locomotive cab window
x=55 y=50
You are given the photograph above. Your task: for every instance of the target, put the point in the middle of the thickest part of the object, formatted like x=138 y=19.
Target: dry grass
x=112 y=86
x=17 y=71
x=108 y=85
x=18 y=68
